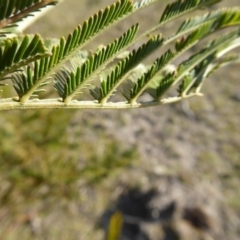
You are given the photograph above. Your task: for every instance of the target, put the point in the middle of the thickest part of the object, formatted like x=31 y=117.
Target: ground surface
x=189 y=153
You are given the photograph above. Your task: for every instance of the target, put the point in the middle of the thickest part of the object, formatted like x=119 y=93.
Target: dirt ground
x=189 y=153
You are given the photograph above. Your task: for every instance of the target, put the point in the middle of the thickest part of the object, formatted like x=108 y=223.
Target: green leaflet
x=143 y=3
x=175 y=10
x=162 y=87
x=75 y=41
x=91 y=28
x=231 y=16
x=224 y=17
x=202 y=64
x=157 y=68
x=15 y=54
x=113 y=80
x=26 y=60
x=205 y=71
x=181 y=45
x=180 y=7
x=200 y=60
x=211 y=48
x=210 y=64
x=227 y=18
x=23 y=81
x=184 y=84
x=72 y=84
x=95 y=24
x=132 y=94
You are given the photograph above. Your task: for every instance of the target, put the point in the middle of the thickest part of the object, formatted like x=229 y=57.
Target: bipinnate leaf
x=28 y=63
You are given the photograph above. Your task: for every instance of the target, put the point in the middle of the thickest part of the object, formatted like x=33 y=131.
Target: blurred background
x=163 y=173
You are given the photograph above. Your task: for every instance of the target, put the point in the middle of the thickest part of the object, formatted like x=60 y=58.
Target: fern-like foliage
x=75 y=41
x=32 y=66
x=15 y=54
x=29 y=79
x=113 y=80
x=75 y=81
x=182 y=7
x=142 y=83
x=201 y=60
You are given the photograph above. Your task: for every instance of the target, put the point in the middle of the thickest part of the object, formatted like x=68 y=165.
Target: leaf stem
x=10 y=104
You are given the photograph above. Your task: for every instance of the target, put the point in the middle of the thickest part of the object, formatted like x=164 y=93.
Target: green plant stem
x=9 y=104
